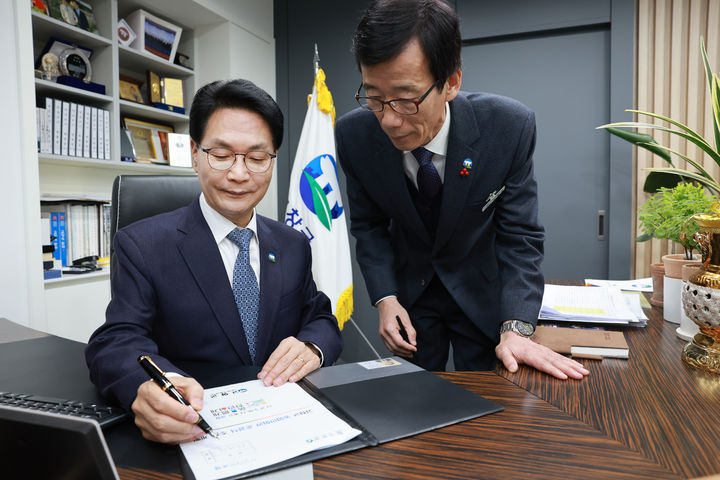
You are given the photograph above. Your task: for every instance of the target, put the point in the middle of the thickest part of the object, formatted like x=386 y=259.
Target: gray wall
x=330 y=24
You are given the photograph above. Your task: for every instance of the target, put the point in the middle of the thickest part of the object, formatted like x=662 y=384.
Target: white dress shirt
x=438 y=146
x=220 y=228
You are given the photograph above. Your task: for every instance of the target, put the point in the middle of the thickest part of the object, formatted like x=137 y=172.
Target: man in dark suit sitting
x=443 y=199
x=213 y=281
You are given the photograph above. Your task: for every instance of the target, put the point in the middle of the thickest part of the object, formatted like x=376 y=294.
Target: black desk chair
x=135 y=197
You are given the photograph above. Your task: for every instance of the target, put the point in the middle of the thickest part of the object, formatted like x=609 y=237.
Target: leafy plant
x=668 y=214
x=671 y=176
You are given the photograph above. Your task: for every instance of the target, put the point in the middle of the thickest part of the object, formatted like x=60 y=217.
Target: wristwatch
x=524 y=329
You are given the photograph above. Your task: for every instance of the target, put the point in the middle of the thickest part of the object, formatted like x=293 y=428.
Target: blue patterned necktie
x=428 y=178
x=245 y=287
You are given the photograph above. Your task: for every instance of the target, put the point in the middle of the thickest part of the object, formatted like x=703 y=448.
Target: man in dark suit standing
x=213 y=282
x=443 y=199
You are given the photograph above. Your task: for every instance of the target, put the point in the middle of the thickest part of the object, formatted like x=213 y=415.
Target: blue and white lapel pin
x=467 y=166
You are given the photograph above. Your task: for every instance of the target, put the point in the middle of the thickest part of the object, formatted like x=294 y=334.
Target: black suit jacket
x=488 y=257
x=172 y=299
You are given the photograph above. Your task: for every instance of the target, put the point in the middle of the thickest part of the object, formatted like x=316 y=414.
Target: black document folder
x=386 y=400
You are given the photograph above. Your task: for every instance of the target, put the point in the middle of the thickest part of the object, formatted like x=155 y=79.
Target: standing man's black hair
x=238 y=93
x=388 y=25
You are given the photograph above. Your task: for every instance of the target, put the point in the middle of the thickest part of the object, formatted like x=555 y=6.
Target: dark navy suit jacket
x=487 y=254
x=172 y=299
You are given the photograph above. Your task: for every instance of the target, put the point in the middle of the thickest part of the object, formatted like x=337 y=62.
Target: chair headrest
x=135 y=197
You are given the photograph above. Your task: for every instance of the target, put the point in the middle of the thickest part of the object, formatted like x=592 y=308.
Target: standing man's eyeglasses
x=224 y=159
x=403 y=106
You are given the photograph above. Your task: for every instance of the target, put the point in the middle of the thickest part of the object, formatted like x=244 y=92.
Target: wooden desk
x=488 y=447
x=529 y=439
x=653 y=403
x=650 y=416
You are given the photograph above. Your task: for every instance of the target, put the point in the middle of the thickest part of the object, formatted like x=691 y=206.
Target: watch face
x=525 y=328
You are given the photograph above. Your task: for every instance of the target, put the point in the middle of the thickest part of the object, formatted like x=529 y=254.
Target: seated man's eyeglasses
x=403 y=106
x=223 y=159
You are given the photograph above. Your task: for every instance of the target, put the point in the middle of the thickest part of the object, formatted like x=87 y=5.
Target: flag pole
x=352 y=320
x=316 y=60
x=316 y=67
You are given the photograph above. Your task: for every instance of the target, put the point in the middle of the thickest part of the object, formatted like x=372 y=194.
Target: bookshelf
x=74 y=305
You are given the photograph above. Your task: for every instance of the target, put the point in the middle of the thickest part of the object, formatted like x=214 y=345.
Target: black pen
x=158 y=376
x=403 y=332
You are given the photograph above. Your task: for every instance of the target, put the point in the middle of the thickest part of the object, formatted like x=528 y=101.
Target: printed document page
x=638 y=285
x=259 y=426
x=585 y=304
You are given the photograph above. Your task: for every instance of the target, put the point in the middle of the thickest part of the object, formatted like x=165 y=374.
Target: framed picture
x=130 y=89
x=150 y=140
x=154 y=35
x=125 y=34
x=74 y=12
x=39 y=6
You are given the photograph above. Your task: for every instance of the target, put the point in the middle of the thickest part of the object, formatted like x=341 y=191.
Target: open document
x=590 y=304
x=259 y=426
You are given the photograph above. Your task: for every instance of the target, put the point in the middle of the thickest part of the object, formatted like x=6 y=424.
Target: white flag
x=315 y=205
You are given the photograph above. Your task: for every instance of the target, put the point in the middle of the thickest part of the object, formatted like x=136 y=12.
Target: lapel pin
x=464 y=172
x=467 y=163
x=271 y=257
x=492 y=197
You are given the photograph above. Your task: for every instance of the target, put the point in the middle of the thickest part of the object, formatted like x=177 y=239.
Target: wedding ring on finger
x=302 y=360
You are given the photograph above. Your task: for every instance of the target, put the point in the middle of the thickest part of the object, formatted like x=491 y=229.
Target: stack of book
x=79 y=229
x=583 y=342
x=50 y=266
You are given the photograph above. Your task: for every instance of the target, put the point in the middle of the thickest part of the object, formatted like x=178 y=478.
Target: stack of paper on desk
x=590 y=304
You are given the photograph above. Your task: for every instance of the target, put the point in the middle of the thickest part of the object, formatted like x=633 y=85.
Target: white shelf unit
x=76 y=177
x=223 y=40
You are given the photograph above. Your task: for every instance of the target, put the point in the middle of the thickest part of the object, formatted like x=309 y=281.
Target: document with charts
x=259 y=426
x=587 y=304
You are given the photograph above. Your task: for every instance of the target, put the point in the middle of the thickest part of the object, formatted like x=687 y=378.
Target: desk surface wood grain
x=529 y=439
x=653 y=403
x=651 y=416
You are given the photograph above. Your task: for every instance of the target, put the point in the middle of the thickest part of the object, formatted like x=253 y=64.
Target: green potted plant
x=668 y=214
x=671 y=175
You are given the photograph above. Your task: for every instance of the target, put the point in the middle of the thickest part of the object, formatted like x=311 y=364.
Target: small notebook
x=583 y=342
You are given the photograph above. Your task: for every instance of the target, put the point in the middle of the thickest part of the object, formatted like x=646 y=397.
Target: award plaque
x=143 y=142
x=154 y=90
x=130 y=89
x=74 y=63
x=149 y=139
x=172 y=91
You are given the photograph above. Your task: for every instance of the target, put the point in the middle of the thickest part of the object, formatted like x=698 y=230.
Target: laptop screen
x=38 y=444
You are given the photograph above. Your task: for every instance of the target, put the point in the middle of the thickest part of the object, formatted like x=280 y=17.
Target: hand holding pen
x=158 y=376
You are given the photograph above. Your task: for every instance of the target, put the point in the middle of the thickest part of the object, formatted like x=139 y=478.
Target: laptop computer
x=36 y=444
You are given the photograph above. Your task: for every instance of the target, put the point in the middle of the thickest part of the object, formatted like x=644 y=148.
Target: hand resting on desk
x=290 y=362
x=514 y=349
